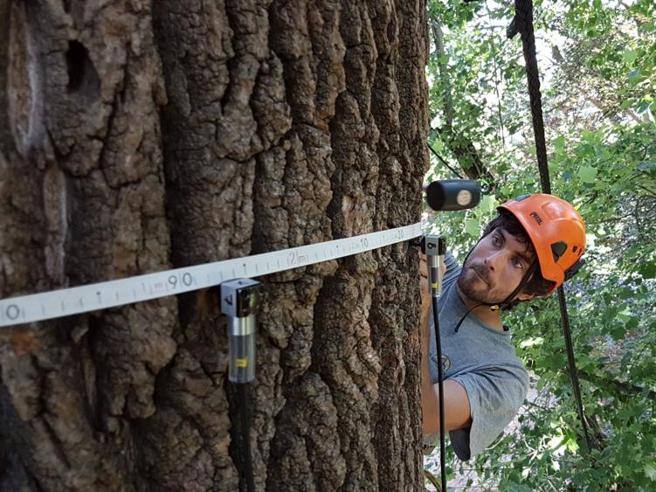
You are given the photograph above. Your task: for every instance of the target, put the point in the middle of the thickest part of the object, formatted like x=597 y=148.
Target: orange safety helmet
x=556 y=230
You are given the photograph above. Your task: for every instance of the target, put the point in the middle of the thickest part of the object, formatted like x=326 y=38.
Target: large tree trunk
x=137 y=136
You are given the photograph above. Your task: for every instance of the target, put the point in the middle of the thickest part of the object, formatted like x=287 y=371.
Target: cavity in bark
x=82 y=75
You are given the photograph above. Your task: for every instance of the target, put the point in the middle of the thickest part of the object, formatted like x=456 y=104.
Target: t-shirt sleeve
x=495 y=395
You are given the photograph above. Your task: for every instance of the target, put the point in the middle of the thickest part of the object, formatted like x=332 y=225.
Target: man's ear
x=525 y=297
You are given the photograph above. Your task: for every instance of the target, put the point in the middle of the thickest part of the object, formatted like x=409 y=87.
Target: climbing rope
x=523 y=24
x=443 y=161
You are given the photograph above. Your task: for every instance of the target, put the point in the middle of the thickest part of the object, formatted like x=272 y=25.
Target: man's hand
x=425 y=288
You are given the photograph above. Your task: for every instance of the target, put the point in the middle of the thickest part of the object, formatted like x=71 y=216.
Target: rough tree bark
x=137 y=136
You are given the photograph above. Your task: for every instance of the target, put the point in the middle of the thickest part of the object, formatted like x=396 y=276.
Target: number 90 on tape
x=113 y=293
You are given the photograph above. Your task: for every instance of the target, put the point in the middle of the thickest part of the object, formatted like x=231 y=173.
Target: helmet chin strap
x=507 y=302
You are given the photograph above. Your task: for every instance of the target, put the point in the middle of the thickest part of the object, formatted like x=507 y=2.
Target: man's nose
x=493 y=260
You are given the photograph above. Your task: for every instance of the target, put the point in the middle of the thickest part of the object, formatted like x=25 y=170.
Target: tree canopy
x=597 y=61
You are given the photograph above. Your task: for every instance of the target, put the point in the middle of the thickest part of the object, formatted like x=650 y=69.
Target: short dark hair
x=537 y=284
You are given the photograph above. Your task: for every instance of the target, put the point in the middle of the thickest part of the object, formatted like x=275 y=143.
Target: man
x=531 y=248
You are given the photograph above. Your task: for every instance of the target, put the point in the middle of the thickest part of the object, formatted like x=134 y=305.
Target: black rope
x=523 y=23
x=440 y=382
x=246 y=477
x=442 y=160
x=571 y=363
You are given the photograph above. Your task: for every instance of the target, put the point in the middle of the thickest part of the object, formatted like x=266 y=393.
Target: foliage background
x=597 y=61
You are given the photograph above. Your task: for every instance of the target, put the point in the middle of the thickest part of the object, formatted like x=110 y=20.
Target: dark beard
x=475 y=289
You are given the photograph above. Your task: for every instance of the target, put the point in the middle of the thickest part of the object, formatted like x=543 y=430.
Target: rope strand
x=523 y=23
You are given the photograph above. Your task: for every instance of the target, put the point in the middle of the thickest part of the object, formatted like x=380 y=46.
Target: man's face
x=495 y=268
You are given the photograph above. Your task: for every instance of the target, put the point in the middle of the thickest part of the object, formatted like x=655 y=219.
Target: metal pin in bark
x=238 y=302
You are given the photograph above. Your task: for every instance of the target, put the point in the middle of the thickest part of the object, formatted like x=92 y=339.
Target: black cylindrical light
x=453 y=194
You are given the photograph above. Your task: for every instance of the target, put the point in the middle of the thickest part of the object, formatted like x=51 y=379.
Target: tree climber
x=530 y=249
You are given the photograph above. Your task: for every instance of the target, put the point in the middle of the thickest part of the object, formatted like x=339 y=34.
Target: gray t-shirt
x=483 y=361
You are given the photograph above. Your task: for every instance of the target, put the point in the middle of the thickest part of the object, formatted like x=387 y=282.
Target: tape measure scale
x=120 y=292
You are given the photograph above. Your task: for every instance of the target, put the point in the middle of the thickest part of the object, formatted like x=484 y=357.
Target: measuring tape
x=104 y=295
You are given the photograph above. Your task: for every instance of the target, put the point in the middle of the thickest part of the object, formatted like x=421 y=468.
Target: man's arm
x=456 y=406
x=456 y=403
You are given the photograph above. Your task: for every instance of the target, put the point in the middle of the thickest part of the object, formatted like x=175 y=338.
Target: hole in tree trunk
x=82 y=75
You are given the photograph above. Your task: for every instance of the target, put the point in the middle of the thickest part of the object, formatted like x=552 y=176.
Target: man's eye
x=519 y=263
x=496 y=240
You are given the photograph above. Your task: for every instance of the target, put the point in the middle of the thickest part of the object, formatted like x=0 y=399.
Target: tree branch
x=438 y=37
x=618 y=387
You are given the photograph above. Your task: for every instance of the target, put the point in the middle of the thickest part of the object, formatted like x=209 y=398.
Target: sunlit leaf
x=473 y=227
x=629 y=56
x=650 y=471
x=588 y=174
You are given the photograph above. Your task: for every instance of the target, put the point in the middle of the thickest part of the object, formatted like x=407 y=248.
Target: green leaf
x=572 y=445
x=487 y=204
x=617 y=330
x=629 y=56
x=559 y=144
x=634 y=76
x=531 y=342
x=648 y=270
x=588 y=174
x=473 y=227
x=626 y=104
x=632 y=324
x=650 y=471
x=643 y=106
x=517 y=487
x=512 y=129
x=647 y=166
